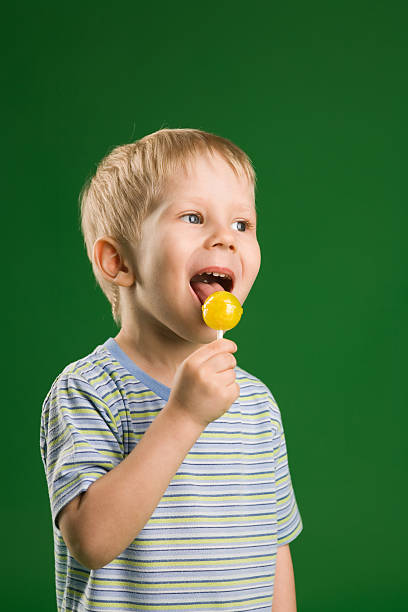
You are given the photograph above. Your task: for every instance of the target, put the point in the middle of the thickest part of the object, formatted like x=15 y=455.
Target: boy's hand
x=204 y=385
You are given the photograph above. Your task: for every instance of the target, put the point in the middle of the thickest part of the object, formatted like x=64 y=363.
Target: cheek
x=258 y=260
x=254 y=261
x=170 y=263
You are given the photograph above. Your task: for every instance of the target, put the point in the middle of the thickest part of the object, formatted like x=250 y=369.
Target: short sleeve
x=289 y=519
x=80 y=438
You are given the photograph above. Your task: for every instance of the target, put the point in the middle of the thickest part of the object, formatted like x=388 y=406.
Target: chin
x=204 y=336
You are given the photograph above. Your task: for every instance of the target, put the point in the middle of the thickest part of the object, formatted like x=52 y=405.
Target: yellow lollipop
x=221 y=311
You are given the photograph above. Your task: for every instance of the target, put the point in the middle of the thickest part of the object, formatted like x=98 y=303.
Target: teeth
x=218 y=274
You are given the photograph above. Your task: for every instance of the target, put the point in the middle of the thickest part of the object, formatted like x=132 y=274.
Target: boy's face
x=200 y=223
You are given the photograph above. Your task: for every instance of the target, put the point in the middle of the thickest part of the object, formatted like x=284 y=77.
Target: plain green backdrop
x=316 y=94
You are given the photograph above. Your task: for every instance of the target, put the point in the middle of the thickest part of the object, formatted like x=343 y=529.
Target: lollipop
x=221 y=311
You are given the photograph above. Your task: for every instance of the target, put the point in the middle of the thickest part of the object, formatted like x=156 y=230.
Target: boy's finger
x=217 y=346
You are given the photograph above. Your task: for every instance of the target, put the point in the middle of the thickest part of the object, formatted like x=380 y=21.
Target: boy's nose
x=222 y=235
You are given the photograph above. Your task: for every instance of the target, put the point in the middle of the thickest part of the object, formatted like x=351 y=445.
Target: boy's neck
x=153 y=361
x=158 y=373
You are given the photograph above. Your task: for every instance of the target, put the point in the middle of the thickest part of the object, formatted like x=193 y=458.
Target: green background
x=316 y=94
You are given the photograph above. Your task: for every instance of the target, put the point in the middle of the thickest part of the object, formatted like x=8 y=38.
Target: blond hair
x=131 y=179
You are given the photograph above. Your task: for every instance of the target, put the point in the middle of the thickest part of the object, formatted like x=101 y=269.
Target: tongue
x=203 y=290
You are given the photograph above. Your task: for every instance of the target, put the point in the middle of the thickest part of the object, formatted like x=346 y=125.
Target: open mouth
x=207 y=283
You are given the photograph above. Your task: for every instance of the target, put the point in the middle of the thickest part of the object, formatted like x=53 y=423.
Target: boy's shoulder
x=88 y=370
x=253 y=387
x=95 y=359
x=246 y=379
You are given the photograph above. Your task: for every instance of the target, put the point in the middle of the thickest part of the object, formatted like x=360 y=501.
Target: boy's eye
x=190 y=215
x=246 y=224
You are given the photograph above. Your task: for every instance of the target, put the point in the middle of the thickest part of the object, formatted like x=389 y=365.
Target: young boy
x=166 y=463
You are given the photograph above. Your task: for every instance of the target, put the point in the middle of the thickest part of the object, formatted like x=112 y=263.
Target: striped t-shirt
x=212 y=540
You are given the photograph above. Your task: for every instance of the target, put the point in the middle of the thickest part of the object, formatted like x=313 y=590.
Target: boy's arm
x=284 y=595
x=102 y=522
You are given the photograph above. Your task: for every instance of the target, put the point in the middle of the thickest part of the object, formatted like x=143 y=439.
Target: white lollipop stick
x=219 y=333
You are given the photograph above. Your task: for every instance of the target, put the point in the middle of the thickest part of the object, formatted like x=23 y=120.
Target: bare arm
x=102 y=522
x=284 y=595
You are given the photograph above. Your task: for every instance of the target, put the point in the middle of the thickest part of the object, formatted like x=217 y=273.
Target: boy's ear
x=109 y=258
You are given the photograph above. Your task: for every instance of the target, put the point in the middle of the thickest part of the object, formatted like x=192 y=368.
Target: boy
x=166 y=463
